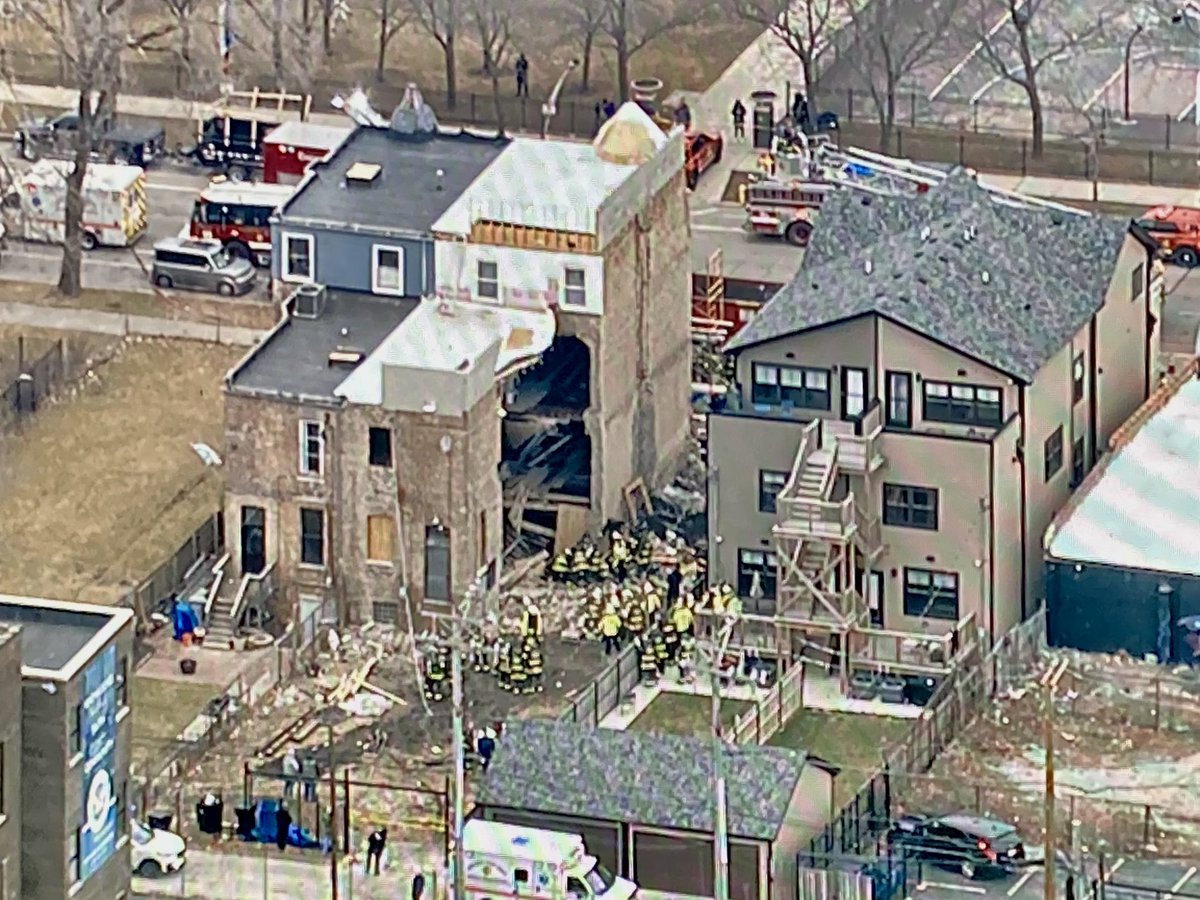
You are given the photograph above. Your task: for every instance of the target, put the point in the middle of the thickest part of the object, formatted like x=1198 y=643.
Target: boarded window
x=381 y=539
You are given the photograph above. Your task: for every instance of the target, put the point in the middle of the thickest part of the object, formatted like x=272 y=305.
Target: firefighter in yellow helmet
x=647 y=660
x=619 y=551
x=519 y=674
x=536 y=665
x=532 y=625
x=610 y=631
x=683 y=619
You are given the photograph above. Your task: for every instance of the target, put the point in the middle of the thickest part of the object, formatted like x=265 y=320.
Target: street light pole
x=460 y=751
x=550 y=107
x=1128 y=54
x=721 y=640
x=333 y=850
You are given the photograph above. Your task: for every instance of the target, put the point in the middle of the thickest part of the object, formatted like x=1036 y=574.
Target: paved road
x=1127 y=879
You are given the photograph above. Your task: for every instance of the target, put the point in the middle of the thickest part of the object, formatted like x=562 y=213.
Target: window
x=932 y=595
x=854 y=392
x=312 y=537
x=1052 y=453
x=312 y=448
x=73 y=857
x=1077 y=379
x=75 y=740
x=1078 y=462
x=769 y=486
x=123 y=682
x=791 y=386
x=487 y=278
x=757 y=578
x=574 y=287
x=385 y=612
x=899 y=399
x=1137 y=281
x=963 y=404
x=437 y=563
x=379 y=451
x=905 y=506
x=381 y=539
x=387 y=270
x=297 y=257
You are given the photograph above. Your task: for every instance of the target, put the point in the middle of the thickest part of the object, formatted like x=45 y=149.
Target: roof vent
x=867 y=266
x=985 y=276
x=346 y=356
x=309 y=301
x=967 y=235
x=926 y=232
x=413 y=115
x=363 y=172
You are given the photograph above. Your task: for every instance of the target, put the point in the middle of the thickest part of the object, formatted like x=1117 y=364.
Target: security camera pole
x=722 y=633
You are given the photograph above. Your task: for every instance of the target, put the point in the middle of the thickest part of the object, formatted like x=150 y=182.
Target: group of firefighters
x=516 y=660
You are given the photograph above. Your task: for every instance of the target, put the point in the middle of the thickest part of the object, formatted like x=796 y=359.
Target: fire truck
x=231 y=137
x=1177 y=230
x=702 y=149
x=291 y=148
x=238 y=214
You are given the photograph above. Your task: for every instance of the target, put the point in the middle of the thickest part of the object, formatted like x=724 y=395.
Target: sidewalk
x=98 y=321
x=303 y=876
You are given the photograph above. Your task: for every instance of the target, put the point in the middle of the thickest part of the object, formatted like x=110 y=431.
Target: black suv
x=137 y=145
x=972 y=845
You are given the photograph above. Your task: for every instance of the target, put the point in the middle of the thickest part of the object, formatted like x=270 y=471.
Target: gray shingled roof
x=1047 y=273
x=661 y=781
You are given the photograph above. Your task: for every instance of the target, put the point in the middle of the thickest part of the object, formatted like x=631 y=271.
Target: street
x=1126 y=879
x=718 y=226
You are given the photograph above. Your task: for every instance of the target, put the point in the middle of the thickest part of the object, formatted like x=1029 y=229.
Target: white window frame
x=302 y=447
x=376 y=287
x=284 y=274
x=569 y=291
x=480 y=280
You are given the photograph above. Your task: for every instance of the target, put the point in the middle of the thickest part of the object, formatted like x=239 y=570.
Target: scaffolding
x=708 y=301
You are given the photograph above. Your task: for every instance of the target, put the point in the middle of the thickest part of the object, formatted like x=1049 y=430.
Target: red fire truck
x=238 y=214
x=1177 y=230
x=289 y=149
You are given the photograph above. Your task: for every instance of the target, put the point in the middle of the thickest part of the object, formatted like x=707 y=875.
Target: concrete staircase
x=220 y=628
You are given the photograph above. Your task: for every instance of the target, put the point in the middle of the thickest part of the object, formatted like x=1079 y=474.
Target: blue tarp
x=184 y=618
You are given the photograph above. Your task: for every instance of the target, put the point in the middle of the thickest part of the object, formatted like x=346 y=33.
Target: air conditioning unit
x=309 y=301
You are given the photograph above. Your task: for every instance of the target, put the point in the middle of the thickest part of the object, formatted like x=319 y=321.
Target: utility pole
x=722 y=633
x=1049 y=682
x=333 y=850
x=460 y=750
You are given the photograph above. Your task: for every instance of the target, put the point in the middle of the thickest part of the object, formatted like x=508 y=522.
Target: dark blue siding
x=343 y=259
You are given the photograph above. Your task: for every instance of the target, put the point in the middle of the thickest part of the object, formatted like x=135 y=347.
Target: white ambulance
x=115 y=211
x=504 y=861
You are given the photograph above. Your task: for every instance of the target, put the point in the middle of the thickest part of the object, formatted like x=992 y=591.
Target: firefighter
x=519 y=674
x=533 y=654
x=766 y=164
x=647 y=661
x=560 y=568
x=652 y=601
x=687 y=660
x=645 y=550
x=635 y=617
x=504 y=666
x=670 y=638
x=619 y=552
x=610 y=631
x=435 y=676
x=658 y=642
x=579 y=566
x=478 y=654
x=593 y=612
x=531 y=621
x=683 y=620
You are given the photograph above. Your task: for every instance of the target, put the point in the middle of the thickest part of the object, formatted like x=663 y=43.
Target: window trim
x=568 y=290
x=302 y=449
x=1056 y=457
x=389 y=563
x=480 y=280
x=847 y=371
x=324 y=538
x=391 y=453
x=285 y=274
x=1078 y=376
x=376 y=268
x=769 y=580
x=901 y=515
x=808 y=394
x=975 y=403
x=930 y=593
x=905 y=378
x=762 y=478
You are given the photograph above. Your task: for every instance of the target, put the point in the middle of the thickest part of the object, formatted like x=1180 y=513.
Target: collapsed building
x=383 y=437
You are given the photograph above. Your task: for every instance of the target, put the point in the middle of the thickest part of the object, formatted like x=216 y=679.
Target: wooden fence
x=771 y=713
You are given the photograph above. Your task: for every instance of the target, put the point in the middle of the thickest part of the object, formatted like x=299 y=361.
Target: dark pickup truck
x=137 y=145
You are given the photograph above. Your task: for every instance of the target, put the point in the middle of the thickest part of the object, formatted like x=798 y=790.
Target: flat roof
x=408 y=195
x=58 y=637
x=1139 y=510
x=309 y=135
x=293 y=360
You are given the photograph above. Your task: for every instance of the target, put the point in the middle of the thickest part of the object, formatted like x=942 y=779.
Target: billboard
x=98 y=725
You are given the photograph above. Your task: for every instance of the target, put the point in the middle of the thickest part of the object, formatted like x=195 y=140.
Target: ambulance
x=114 y=204
x=502 y=861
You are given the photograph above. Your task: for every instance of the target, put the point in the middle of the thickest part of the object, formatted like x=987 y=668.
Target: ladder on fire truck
x=245 y=104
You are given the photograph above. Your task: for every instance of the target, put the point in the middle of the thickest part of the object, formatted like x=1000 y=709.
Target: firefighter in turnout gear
x=635 y=617
x=579 y=566
x=682 y=619
x=610 y=631
x=647 y=661
x=670 y=638
x=560 y=568
x=531 y=621
x=687 y=659
x=652 y=600
x=504 y=666
x=619 y=551
x=536 y=665
x=435 y=675
x=479 y=661
x=659 y=642
x=519 y=672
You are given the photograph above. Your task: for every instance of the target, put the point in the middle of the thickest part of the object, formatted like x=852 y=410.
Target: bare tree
x=493 y=26
x=440 y=19
x=892 y=39
x=183 y=16
x=805 y=26
x=90 y=36
x=392 y=19
x=632 y=24
x=587 y=18
x=291 y=34
x=1029 y=36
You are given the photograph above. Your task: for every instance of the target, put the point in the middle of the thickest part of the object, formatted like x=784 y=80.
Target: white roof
x=253 y=194
x=1142 y=511
x=100 y=176
x=451 y=336
x=514 y=841
x=547 y=183
x=309 y=135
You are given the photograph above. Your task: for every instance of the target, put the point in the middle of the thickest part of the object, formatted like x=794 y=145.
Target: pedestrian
x=486 y=747
x=683 y=115
x=291 y=773
x=739 y=120
x=418 y=884
x=376 y=843
x=800 y=115
x=283 y=825
x=522 y=76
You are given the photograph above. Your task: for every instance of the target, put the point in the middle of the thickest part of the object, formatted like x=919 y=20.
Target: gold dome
x=629 y=138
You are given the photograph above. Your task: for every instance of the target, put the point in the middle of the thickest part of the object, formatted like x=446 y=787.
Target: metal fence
x=603 y=695
x=35 y=384
x=203 y=545
x=853 y=877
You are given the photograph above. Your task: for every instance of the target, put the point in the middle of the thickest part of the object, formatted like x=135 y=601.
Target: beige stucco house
x=912 y=410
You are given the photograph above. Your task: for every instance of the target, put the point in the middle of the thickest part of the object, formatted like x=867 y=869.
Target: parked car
x=155 y=852
x=972 y=845
x=201 y=265
x=136 y=145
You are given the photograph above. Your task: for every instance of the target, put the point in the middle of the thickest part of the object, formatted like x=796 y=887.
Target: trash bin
x=210 y=813
x=763 y=136
x=159 y=821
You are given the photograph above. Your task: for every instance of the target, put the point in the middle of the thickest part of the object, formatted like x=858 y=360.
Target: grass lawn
x=686 y=714
x=161 y=710
x=853 y=741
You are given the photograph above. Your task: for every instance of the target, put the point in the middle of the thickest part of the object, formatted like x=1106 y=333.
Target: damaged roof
x=663 y=781
x=1008 y=285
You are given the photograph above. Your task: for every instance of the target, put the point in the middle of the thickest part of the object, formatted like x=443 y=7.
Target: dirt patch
x=1127 y=766
x=243 y=313
x=103 y=485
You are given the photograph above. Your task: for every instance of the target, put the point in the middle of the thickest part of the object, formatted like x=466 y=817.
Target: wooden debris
x=386 y=695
